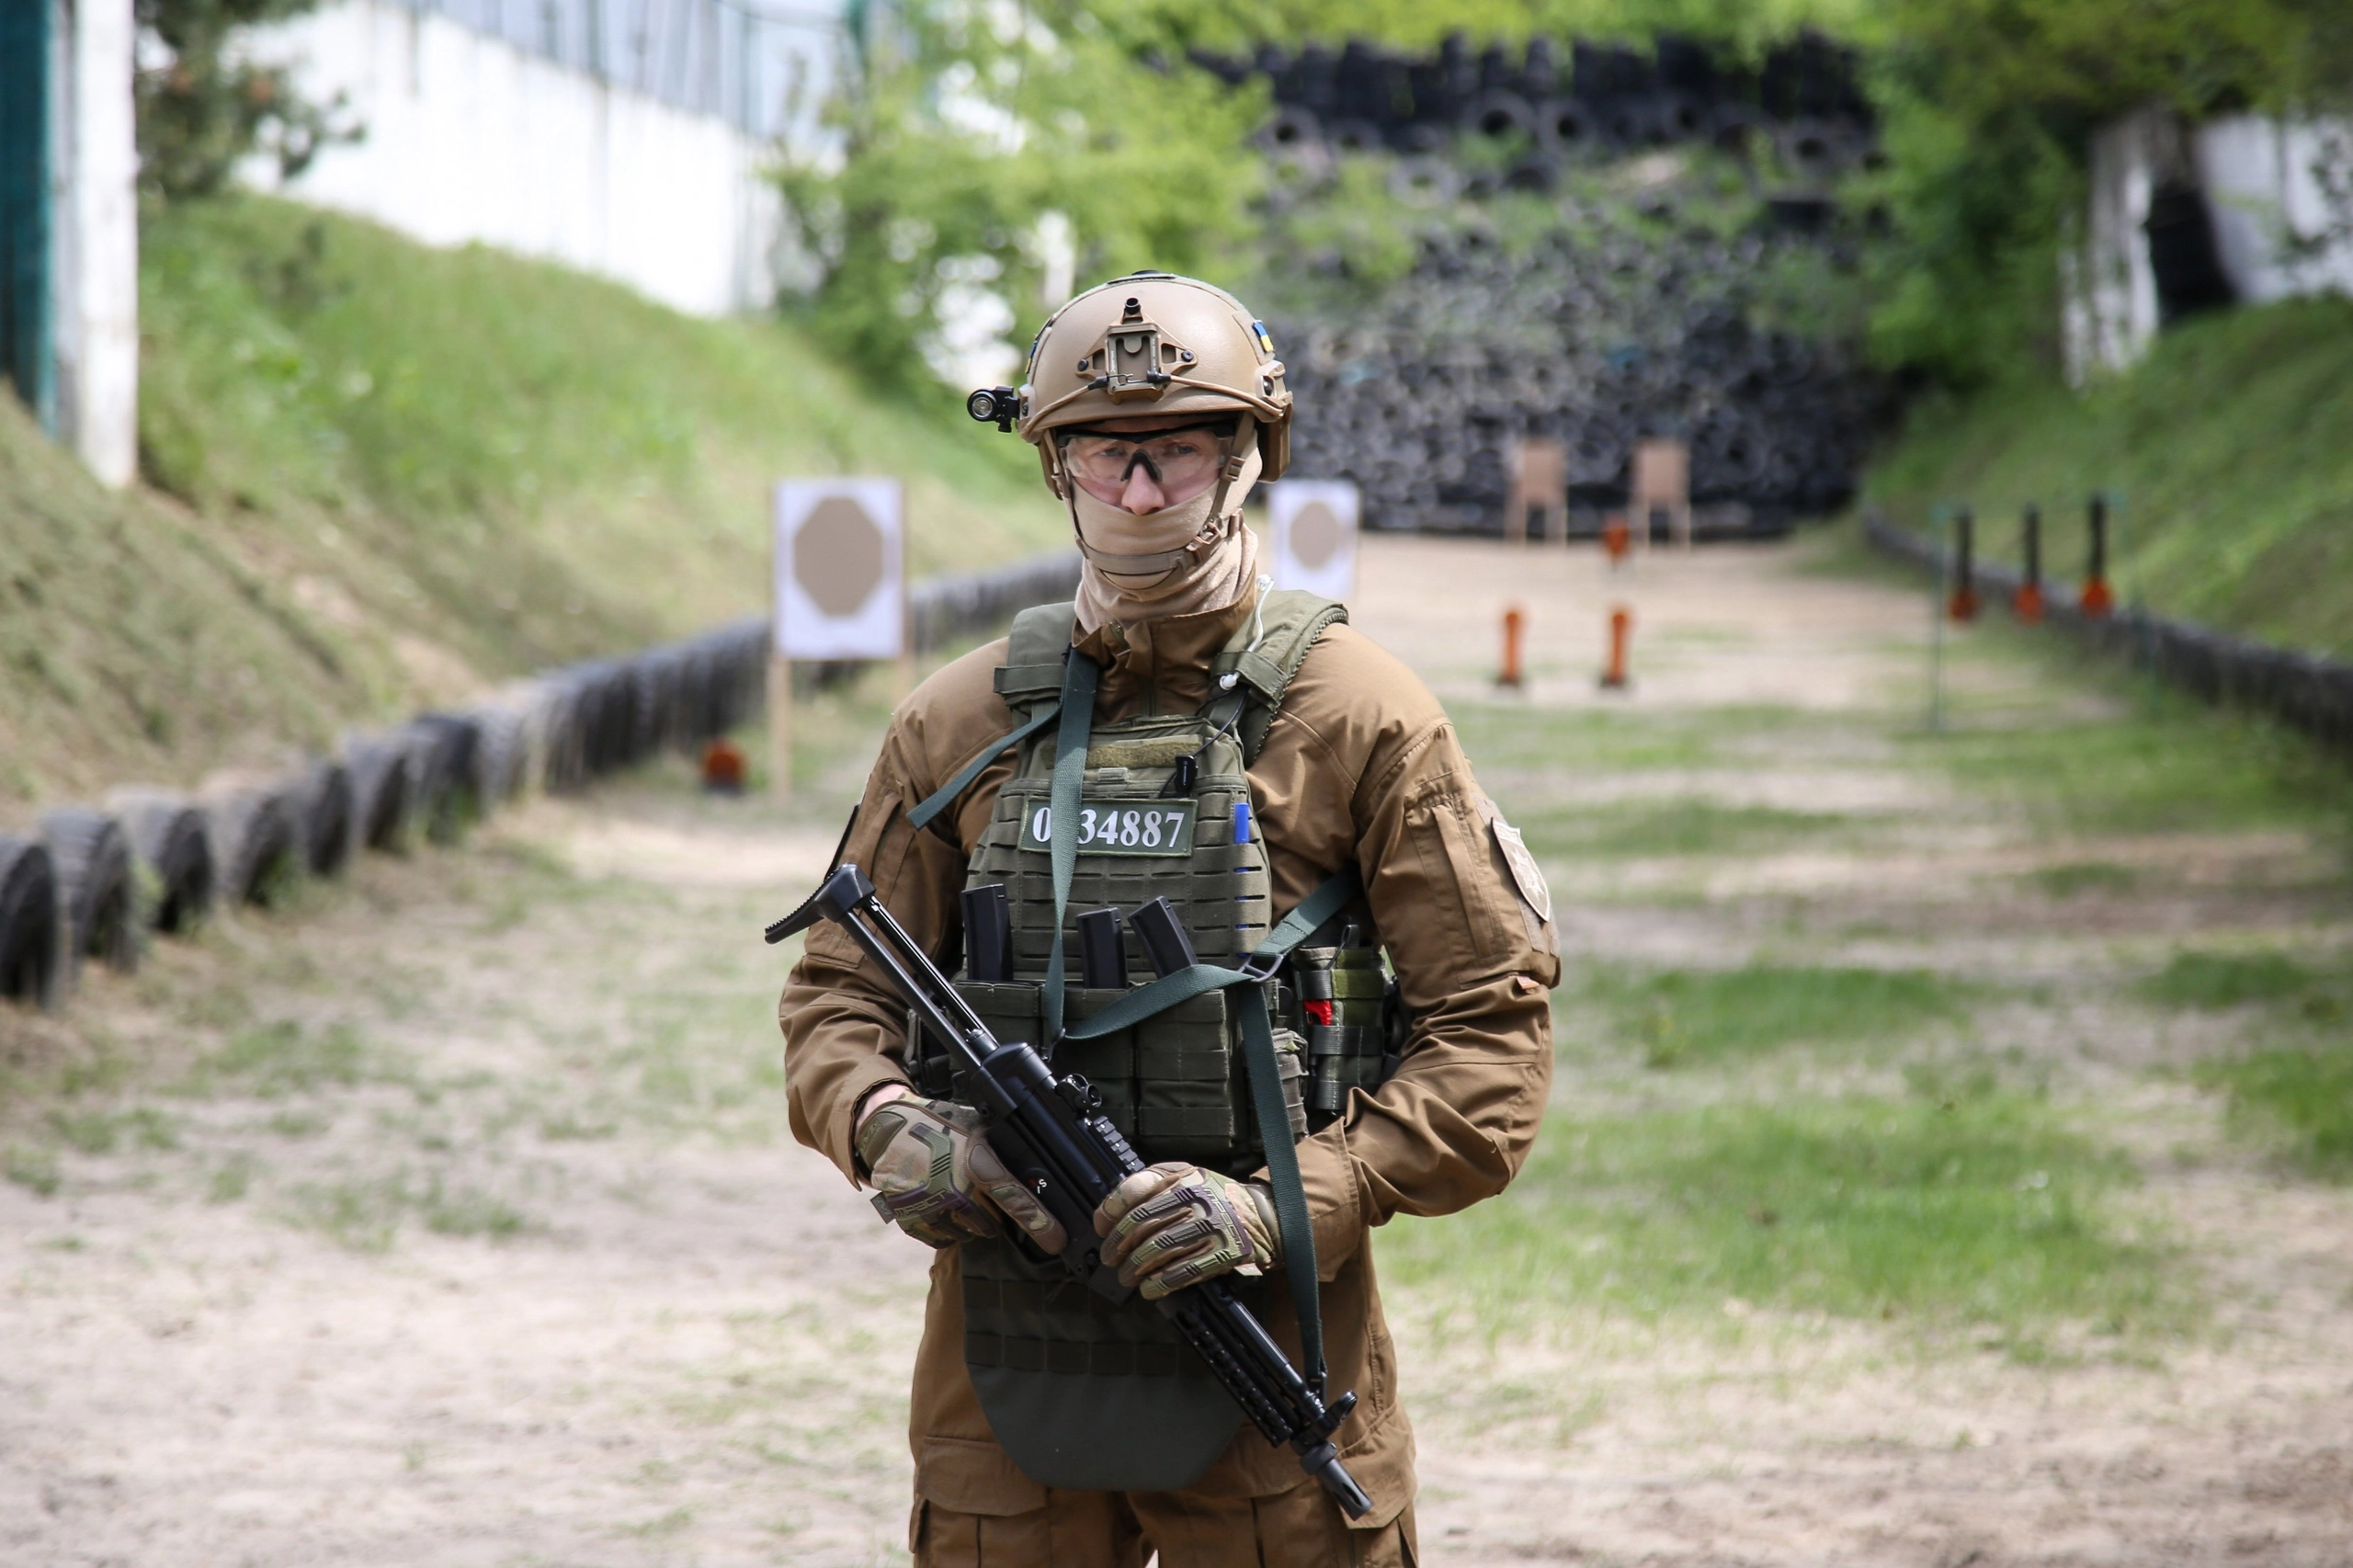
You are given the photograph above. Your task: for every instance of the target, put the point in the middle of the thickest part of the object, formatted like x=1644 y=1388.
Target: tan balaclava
x=1217 y=566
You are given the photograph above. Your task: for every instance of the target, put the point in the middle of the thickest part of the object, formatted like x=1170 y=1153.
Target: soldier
x=1245 y=750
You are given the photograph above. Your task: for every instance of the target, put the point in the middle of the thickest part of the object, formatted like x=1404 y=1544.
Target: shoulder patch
x=1525 y=873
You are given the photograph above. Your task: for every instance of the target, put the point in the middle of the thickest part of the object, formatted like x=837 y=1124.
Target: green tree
x=966 y=127
x=203 y=109
x=1989 y=106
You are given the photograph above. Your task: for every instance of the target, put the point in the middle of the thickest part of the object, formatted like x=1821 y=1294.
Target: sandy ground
x=451 y=1217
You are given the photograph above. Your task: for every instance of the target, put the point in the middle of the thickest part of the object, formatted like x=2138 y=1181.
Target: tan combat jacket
x=1360 y=764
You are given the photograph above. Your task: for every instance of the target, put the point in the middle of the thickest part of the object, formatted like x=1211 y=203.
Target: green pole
x=27 y=299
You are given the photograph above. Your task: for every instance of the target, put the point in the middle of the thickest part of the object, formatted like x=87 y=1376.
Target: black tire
x=441 y=758
x=323 y=816
x=384 y=801
x=1498 y=114
x=32 y=935
x=92 y=861
x=166 y=834
x=1817 y=149
x=1535 y=172
x=1292 y=128
x=1568 y=125
x=256 y=839
x=1424 y=182
x=1356 y=136
x=501 y=747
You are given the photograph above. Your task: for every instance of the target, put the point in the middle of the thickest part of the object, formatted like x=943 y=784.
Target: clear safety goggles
x=1182 y=462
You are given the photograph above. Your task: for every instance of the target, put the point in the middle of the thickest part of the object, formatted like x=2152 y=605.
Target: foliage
x=207 y=108
x=1988 y=107
x=967 y=134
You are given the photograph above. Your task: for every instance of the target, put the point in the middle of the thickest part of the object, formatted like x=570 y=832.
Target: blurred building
x=2186 y=219
x=626 y=137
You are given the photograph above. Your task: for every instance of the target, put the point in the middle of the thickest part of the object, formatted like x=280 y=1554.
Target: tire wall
x=97 y=879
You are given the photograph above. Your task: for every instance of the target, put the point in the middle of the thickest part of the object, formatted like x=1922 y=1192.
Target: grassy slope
x=2229 y=444
x=383 y=475
x=133 y=646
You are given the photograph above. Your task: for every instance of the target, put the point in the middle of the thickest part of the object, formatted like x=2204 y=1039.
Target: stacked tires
x=1595 y=339
x=98 y=880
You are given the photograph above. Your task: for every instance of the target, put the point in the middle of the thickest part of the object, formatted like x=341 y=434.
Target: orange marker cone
x=1621 y=631
x=1515 y=622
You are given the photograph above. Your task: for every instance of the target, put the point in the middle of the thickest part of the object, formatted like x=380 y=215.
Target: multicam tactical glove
x=936 y=1180
x=1172 y=1225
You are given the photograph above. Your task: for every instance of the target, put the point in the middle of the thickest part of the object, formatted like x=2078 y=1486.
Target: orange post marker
x=722 y=767
x=1621 y=631
x=1963 y=604
x=2097 y=600
x=1616 y=537
x=1514 y=623
x=2027 y=602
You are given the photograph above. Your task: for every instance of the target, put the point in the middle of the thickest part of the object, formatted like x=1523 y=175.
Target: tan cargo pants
x=1298 y=1528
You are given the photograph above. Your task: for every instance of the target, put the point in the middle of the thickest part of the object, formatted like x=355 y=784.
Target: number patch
x=1117 y=827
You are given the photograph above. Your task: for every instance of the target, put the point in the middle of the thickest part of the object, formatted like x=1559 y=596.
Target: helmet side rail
x=1051 y=1133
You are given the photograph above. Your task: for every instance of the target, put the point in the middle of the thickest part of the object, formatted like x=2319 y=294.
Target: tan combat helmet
x=1149 y=344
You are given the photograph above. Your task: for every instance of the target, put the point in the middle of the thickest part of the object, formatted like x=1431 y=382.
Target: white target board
x=840 y=569
x=1311 y=525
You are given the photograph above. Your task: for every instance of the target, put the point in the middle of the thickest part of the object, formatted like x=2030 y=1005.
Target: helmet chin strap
x=1156 y=567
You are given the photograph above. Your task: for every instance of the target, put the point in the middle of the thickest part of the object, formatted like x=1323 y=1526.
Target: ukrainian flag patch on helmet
x=1266 y=341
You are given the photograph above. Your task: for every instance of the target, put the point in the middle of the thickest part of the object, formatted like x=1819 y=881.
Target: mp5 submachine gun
x=1051 y=1133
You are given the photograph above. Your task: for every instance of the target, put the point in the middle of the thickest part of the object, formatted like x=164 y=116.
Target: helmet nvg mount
x=1146 y=345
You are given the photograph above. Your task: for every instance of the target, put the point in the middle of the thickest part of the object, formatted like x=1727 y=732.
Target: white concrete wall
x=97 y=319
x=471 y=138
x=2270 y=224
x=2269 y=206
x=2111 y=302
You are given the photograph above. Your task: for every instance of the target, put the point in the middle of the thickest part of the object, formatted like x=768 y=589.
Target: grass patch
x=2213 y=982
x=1683 y=1017
x=1978 y=1207
x=284 y=1058
x=1498 y=735
x=570 y=1128
x=367 y=1215
x=35 y=1170
x=231 y=1179
x=2082 y=877
x=99 y=1132
x=1686 y=826
x=2298 y=1099
x=2166 y=764
x=468 y=1211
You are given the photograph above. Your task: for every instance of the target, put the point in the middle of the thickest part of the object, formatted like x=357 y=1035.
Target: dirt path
x=451 y=1217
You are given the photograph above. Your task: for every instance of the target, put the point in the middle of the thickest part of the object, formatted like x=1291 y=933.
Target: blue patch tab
x=1266 y=341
